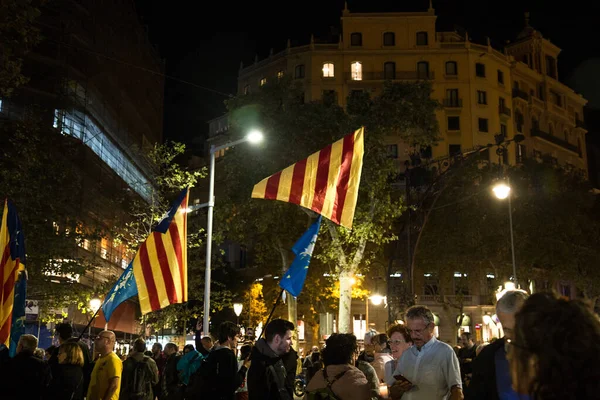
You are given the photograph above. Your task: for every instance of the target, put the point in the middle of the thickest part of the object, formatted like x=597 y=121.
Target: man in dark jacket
x=218 y=376
x=169 y=382
x=129 y=366
x=24 y=376
x=491 y=375
x=273 y=369
x=64 y=331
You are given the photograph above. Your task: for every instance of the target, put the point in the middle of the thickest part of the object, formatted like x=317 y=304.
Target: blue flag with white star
x=294 y=277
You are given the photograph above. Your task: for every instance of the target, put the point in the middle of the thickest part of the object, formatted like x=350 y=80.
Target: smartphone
x=402 y=379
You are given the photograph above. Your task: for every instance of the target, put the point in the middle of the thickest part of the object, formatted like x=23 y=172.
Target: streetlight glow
x=237 y=308
x=95 y=304
x=255 y=136
x=501 y=190
x=376 y=299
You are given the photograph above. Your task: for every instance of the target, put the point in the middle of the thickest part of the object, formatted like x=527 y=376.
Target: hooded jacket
x=267 y=369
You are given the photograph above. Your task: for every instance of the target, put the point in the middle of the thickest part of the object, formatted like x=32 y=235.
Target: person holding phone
x=429 y=370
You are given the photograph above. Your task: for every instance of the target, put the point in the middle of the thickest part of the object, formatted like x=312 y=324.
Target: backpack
x=326 y=393
x=140 y=386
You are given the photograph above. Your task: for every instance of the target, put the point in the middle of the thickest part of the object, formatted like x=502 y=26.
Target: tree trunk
x=344 y=324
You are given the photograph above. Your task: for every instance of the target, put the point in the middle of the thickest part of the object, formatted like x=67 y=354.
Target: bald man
x=106 y=376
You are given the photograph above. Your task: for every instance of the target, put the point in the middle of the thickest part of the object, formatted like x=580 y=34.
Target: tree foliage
x=555 y=223
x=19 y=35
x=294 y=130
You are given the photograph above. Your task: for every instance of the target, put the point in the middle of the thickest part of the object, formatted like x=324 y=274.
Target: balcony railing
x=553 y=139
x=520 y=94
x=452 y=103
x=399 y=75
x=438 y=299
x=536 y=102
x=504 y=110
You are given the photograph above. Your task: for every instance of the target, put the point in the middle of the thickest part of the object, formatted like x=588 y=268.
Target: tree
x=295 y=130
x=555 y=225
x=19 y=35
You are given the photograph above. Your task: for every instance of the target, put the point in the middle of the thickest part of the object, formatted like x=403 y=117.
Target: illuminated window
x=328 y=70
x=356 y=71
x=0 y=104
x=279 y=74
x=79 y=125
x=263 y=81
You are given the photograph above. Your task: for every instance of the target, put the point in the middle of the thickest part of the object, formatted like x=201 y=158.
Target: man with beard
x=272 y=372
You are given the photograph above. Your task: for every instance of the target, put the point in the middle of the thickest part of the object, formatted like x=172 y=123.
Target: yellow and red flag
x=160 y=265
x=12 y=261
x=325 y=182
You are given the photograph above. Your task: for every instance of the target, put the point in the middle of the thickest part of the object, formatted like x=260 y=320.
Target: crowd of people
x=549 y=351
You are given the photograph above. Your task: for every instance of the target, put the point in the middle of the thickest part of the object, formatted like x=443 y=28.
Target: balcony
x=452 y=103
x=554 y=140
x=467 y=300
x=534 y=101
x=398 y=76
x=520 y=94
x=503 y=110
x=580 y=124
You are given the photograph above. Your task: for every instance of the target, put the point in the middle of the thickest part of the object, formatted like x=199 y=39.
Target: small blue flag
x=294 y=277
x=124 y=289
x=18 y=316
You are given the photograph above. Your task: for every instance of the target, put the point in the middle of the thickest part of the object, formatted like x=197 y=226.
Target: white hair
x=511 y=301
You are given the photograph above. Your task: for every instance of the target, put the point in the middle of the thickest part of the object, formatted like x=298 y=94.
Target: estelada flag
x=160 y=265
x=325 y=182
x=12 y=261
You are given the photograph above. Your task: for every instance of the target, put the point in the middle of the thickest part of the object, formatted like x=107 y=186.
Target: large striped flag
x=325 y=182
x=160 y=265
x=12 y=261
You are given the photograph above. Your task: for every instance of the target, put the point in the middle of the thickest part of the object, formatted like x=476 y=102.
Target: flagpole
x=88 y=325
x=271 y=314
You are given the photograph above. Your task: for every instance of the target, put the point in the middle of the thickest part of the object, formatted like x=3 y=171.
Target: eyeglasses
x=395 y=342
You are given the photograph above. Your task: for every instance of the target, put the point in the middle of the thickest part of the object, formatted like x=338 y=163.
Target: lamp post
x=237 y=309
x=95 y=304
x=253 y=137
x=502 y=191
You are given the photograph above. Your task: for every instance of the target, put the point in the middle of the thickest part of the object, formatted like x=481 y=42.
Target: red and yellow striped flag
x=12 y=261
x=325 y=182
x=160 y=265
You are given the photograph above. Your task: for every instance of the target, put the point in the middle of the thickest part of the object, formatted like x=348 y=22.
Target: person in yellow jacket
x=105 y=382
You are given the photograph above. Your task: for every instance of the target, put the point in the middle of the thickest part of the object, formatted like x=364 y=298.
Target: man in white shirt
x=431 y=366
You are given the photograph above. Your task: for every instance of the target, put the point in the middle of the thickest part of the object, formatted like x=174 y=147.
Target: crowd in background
x=549 y=351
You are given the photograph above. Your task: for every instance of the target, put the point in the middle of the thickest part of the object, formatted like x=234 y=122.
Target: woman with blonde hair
x=67 y=375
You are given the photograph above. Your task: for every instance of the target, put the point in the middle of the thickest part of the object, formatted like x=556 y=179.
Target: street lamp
x=237 y=309
x=502 y=191
x=254 y=136
x=95 y=304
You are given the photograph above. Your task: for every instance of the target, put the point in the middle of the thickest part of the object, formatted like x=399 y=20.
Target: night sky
x=204 y=42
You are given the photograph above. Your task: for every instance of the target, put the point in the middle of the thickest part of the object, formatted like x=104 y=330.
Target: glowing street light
x=502 y=191
x=376 y=299
x=254 y=136
x=95 y=304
